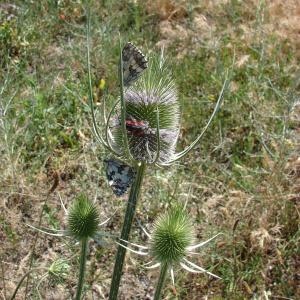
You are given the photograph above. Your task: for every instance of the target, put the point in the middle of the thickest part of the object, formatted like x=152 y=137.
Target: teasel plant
x=171 y=244
x=152 y=103
x=82 y=225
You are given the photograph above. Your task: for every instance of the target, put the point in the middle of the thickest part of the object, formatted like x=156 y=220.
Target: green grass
x=230 y=176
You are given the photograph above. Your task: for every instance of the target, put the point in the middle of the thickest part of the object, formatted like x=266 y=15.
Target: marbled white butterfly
x=134 y=63
x=119 y=175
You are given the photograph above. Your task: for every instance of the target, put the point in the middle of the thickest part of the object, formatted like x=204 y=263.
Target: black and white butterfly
x=134 y=63
x=119 y=175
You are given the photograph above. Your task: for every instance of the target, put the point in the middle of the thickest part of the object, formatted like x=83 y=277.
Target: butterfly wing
x=119 y=176
x=134 y=63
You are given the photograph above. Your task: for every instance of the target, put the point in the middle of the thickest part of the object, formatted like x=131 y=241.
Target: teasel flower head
x=143 y=125
x=151 y=117
x=172 y=234
x=83 y=218
x=82 y=221
x=171 y=243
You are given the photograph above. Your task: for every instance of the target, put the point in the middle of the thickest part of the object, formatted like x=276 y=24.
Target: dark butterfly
x=119 y=175
x=134 y=63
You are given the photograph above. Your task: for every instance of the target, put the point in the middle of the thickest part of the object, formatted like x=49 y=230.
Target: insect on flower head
x=147 y=113
x=151 y=118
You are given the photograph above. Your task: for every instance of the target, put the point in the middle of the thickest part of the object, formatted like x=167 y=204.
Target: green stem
x=161 y=281
x=129 y=215
x=84 y=248
x=22 y=279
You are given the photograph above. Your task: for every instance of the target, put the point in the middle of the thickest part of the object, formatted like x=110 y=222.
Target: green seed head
x=58 y=271
x=83 y=218
x=172 y=234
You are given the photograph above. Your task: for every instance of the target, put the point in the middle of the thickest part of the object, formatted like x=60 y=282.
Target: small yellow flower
x=211 y=97
x=101 y=84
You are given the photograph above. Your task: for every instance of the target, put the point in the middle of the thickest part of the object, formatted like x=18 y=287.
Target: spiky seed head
x=58 y=271
x=150 y=103
x=83 y=218
x=172 y=234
